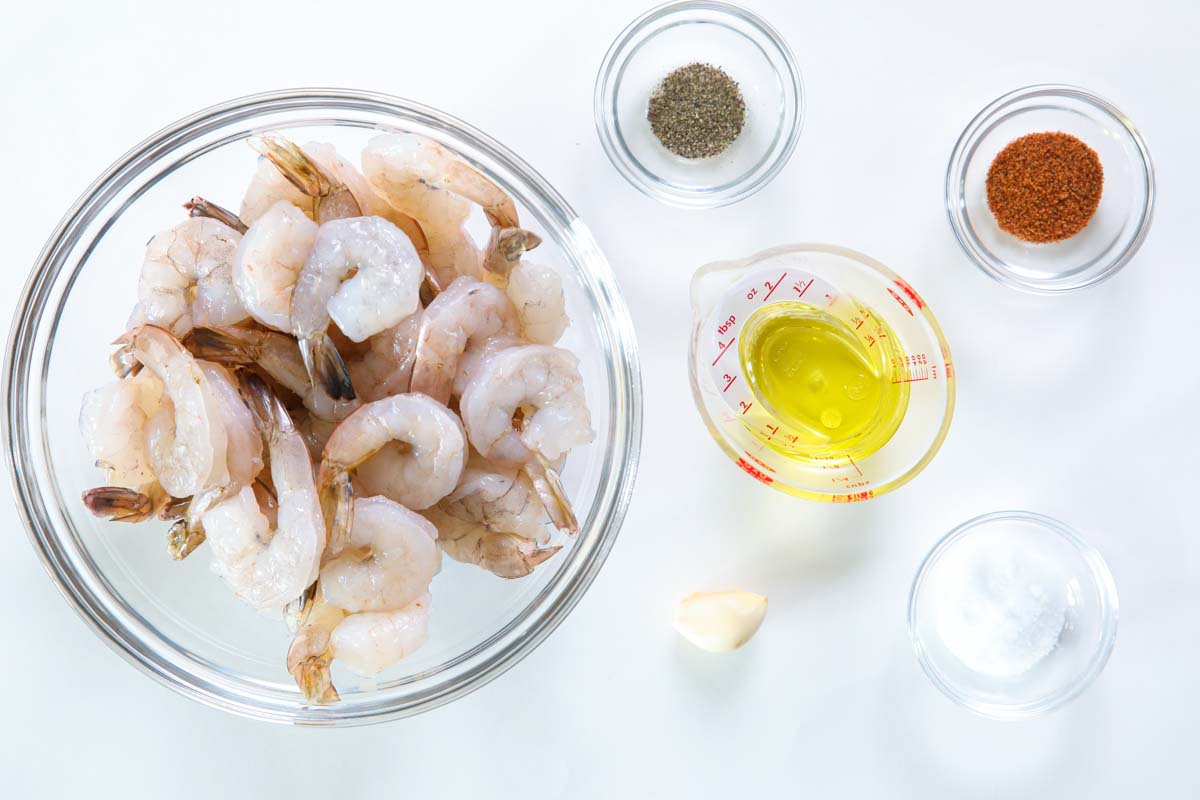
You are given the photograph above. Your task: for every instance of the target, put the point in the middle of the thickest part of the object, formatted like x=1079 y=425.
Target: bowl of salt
x=1013 y=614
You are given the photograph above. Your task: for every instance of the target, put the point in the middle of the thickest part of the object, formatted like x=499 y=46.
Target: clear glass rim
x=964 y=149
x=608 y=80
x=525 y=632
x=1105 y=584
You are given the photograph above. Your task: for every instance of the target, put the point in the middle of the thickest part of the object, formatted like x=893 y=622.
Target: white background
x=1083 y=407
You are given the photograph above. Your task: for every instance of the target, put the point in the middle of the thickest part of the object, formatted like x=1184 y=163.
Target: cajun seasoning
x=697 y=111
x=1045 y=187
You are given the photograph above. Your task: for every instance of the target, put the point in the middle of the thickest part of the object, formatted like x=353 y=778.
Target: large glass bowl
x=177 y=621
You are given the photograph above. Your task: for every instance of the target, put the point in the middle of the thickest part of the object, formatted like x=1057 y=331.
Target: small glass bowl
x=726 y=36
x=178 y=622
x=1126 y=206
x=1083 y=646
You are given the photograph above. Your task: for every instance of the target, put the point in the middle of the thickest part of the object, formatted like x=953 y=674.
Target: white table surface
x=1082 y=407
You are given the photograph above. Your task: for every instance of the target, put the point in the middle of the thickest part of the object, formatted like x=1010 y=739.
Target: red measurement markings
x=724 y=348
x=900 y=300
x=729 y=379
x=753 y=472
x=801 y=288
x=758 y=461
x=856 y=469
x=773 y=287
x=745 y=406
x=853 y=498
x=911 y=292
x=774 y=429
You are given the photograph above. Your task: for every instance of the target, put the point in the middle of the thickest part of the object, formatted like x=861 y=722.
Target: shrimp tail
x=315 y=682
x=270 y=414
x=331 y=198
x=326 y=367
x=309 y=655
x=223 y=345
x=505 y=248
x=553 y=494
x=508 y=555
x=294 y=164
x=119 y=504
x=467 y=182
x=182 y=540
x=124 y=363
x=337 y=503
x=199 y=207
x=295 y=613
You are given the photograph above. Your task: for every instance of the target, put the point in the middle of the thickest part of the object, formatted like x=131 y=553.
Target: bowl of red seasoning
x=1050 y=189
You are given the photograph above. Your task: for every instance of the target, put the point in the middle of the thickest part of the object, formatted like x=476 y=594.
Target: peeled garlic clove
x=720 y=621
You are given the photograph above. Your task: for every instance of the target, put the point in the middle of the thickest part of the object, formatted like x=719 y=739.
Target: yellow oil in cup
x=813 y=372
x=819 y=371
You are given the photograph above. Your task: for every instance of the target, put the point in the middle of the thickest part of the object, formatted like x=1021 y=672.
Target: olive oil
x=830 y=383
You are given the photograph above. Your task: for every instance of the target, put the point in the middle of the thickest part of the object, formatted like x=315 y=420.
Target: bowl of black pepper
x=699 y=103
x=1050 y=189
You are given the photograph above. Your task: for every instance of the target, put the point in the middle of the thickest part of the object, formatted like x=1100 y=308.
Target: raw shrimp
x=424 y=180
x=505 y=555
x=244 y=448
x=266 y=567
x=427 y=452
x=313 y=178
x=501 y=499
x=370 y=642
x=392 y=558
x=366 y=643
x=543 y=383
x=495 y=519
x=385 y=367
x=269 y=260
x=468 y=312
x=186 y=278
x=185 y=437
x=474 y=357
x=382 y=292
x=113 y=423
x=537 y=294
x=544 y=380
x=276 y=354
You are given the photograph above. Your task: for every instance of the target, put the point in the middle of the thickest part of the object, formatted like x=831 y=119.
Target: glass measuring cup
x=881 y=315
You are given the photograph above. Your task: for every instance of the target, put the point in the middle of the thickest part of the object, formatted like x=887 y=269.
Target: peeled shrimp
x=467 y=312
x=268 y=261
x=505 y=555
x=546 y=381
x=113 y=423
x=401 y=559
x=314 y=178
x=370 y=642
x=537 y=293
x=424 y=180
x=186 y=278
x=372 y=604
x=243 y=448
x=186 y=439
x=267 y=567
x=382 y=292
x=385 y=367
x=544 y=384
x=474 y=357
x=495 y=519
x=502 y=499
x=408 y=448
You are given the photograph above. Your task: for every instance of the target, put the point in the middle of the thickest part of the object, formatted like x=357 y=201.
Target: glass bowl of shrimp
x=264 y=421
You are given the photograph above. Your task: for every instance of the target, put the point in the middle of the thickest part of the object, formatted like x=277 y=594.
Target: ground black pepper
x=1045 y=187
x=697 y=111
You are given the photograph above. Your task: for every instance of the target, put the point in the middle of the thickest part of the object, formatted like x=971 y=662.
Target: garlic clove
x=720 y=621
